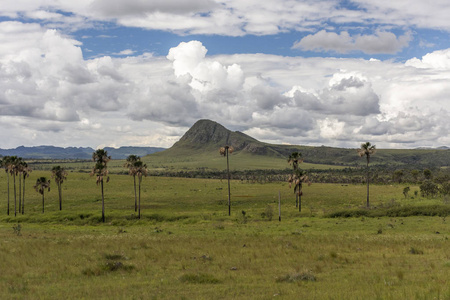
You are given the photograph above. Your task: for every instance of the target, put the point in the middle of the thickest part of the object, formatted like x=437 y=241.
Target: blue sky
x=327 y=72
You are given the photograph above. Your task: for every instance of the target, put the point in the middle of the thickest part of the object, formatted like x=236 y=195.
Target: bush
x=429 y=189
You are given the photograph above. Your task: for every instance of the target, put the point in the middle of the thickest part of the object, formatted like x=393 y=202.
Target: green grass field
x=186 y=246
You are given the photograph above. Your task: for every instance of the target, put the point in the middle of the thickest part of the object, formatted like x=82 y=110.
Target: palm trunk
x=20 y=194
x=7 y=210
x=103 y=203
x=15 y=196
x=367 y=204
x=296 y=200
x=300 y=197
x=23 y=197
x=229 y=191
x=60 y=195
x=139 y=213
x=135 y=197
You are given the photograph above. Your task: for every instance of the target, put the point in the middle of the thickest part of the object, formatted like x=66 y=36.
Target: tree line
x=16 y=167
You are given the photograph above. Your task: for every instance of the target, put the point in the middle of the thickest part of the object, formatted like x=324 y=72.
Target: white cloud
x=379 y=43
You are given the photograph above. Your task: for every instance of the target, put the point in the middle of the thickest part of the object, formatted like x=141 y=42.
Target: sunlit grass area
x=186 y=246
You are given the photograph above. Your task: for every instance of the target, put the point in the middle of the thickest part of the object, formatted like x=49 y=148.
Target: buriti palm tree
x=225 y=151
x=100 y=170
x=130 y=164
x=6 y=164
x=42 y=184
x=367 y=150
x=295 y=158
x=59 y=174
x=13 y=169
x=25 y=174
x=140 y=169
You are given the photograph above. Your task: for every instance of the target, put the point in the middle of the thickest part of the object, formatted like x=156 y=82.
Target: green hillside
x=198 y=149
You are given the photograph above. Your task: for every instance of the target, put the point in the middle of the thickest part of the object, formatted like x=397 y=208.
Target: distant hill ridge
x=52 y=152
x=206 y=137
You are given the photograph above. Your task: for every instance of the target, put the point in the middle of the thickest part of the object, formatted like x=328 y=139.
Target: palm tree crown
x=367 y=149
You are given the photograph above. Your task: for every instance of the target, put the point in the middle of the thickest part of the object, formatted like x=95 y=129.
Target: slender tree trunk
x=42 y=202
x=300 y=197
x=23 y=197
x=139 y=213
x=135 y=197
x=367 y=204
x=7 y=210
x=15 y=195
x=229 y=191
x=279 y=206
x=20 y=194
x=296 y=200
x=103 y=203
x=60 y=195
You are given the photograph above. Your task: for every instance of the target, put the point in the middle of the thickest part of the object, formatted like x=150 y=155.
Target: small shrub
x=413 y=250
x=17 y=229
x=268 y=213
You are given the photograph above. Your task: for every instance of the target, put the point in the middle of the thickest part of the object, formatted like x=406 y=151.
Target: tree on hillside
x=42 y=184
x=140 y=170
x=100 y=170
x=6 y=164
x=224 y=151
x=14 y=171
x=59 y=174
x=294 y=159
x=130 y=164
x=367 y=150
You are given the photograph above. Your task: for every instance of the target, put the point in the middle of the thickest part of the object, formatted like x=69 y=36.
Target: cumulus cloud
x=379 y=43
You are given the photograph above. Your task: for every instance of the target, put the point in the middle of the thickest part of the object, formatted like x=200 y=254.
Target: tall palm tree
x=294 y=159
x=101 y=158
x=140 y=169
x=42 y=184
x=225 y=151
x=6 y=164
x=25 y=174
x=130 y=164
x=13 y=169
x=59 y=174
x=367 y=150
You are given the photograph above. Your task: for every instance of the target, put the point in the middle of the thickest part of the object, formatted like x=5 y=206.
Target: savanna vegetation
x=178 y=238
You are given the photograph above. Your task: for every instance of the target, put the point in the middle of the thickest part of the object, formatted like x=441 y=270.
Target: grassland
x=185 y=246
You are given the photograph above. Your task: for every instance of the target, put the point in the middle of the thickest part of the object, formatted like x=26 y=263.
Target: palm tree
x=225 y=151
x=298 y=178
x=6 y=163
x=367 y=150
x=41 y=185
x=130 y=164
x=59 y=174
x=294 y=159
x=13 y=169
x=25 y=173
x=140 y=169
x=101 y=158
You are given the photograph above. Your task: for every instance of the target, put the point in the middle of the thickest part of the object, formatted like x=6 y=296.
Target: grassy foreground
x=186 y=247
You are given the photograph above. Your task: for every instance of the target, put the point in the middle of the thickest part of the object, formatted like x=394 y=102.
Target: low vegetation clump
x=201 y=278
x=295 y=277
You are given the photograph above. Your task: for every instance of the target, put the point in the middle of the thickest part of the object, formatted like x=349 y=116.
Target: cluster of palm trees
x=16 y=167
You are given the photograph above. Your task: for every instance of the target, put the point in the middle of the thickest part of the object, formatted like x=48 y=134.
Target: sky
x=97 y=73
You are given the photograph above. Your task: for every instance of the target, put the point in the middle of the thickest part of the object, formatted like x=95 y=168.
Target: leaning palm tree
x=130 y=164
x=225 y=151
x=42 y=184
x=59 y=174
x=100 y=170
x=6 y=164
x=294 y=159
x=140 y=169
x=367 y=150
